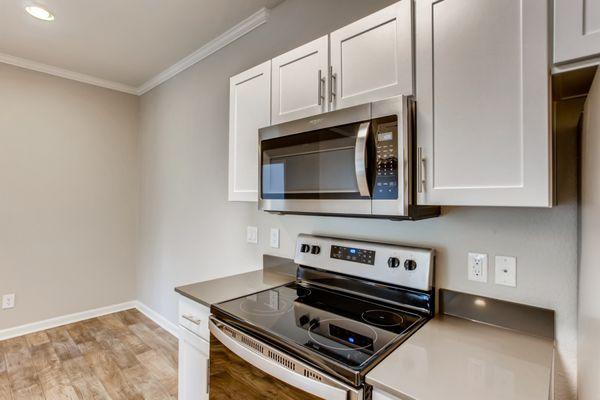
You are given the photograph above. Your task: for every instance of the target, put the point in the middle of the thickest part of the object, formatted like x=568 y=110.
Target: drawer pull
x=195 y=321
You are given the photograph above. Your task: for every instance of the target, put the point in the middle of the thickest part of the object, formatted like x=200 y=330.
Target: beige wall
x=68 y=195
x=589 y=267
x=190 y=232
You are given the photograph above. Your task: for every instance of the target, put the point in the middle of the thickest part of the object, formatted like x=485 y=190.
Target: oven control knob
x=410 y=265
x=315 y=249
x=303 y=320
x=304 y=248
x=393 y=262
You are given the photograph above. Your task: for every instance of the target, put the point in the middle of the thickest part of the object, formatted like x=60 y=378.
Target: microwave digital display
x=385 y=136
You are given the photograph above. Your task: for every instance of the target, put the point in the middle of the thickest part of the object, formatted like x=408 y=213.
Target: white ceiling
x=123 y=41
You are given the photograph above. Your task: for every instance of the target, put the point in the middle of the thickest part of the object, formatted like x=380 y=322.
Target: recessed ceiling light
x=39 y=13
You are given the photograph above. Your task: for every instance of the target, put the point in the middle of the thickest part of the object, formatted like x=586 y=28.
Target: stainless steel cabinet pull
x=321 y=84
x=195 y=321
x=332 y=84
x=420 y=171
x=208 y=375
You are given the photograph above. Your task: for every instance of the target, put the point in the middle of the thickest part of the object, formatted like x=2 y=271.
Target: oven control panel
x=406 y=266
x=353 y=254
x=386 y=176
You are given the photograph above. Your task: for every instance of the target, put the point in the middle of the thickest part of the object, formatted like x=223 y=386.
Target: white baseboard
x=164 y=323
x=64 y=319
x=96 y=312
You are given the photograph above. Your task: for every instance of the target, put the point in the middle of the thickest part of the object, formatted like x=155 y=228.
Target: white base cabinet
x=483 y=103
x=576 y=30
x=193 y=366
x=194 y=337
x=381 y=395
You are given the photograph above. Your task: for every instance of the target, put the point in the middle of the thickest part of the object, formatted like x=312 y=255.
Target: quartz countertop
x=452 y=358
x=231 y=287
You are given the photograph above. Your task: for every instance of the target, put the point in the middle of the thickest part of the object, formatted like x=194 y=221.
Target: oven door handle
x=278 y=371
x=360 y=159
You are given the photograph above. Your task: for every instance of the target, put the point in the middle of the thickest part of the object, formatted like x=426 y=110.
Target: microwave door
x=322 y=171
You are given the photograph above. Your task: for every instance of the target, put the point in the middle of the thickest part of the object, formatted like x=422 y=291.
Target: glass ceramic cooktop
x=348 y=329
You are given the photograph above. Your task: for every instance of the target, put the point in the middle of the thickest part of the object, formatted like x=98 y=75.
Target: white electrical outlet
x=506 y=271
x=8 y=301
x=477 y=267
x=274 y=238
x=252 y=234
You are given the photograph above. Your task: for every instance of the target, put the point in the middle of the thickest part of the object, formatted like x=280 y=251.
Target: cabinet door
x=193 y=367
x=483 y=103
x=299 y=82
x=372 y=58
x=381 y=395
x=576 y=29
x=249 y=110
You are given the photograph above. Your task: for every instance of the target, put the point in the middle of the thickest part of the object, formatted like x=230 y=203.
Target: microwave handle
x=360 y=158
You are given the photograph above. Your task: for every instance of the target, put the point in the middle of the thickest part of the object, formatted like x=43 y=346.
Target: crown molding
x=232 y=34
x=64 y=73
x=239 y=30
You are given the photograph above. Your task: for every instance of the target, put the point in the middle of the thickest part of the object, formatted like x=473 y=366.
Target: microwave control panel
x=386 y=176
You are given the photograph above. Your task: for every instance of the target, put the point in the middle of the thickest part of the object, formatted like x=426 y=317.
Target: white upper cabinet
x=249 y=110
x=300 y=82
x=576 y=30
x=483 y=122
x=372 y=58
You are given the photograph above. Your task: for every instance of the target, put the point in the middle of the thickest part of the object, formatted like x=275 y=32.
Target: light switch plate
x=252 y=234
x=477 y=267
x=274 y=238
x=506 y=271
x=8 y=301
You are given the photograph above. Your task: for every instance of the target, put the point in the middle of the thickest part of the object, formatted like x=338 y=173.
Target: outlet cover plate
x=274 y=238
x=505 y=272
x=477 y=267
x=252 y=234
x=8 y=301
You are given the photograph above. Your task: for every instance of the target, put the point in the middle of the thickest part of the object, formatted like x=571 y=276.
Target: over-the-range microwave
x=359 y=161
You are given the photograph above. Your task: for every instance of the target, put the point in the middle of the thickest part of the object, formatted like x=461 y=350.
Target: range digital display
x=353 y=254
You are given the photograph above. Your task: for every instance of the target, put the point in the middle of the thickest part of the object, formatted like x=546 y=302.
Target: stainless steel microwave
x=359 y=161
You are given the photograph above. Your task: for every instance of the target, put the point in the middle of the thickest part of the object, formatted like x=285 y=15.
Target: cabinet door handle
x=208 y=376
x=193 y=320
x=420 y=170
x=321 y=84
x=332 y=84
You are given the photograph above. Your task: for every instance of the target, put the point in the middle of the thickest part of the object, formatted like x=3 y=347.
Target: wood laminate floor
x=120 y=356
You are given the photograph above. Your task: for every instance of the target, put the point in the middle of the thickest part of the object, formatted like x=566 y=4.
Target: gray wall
x=190 y=232
x=68 y=195
x=589 y=273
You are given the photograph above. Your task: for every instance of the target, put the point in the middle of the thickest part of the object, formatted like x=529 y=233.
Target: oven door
x=243 y=367
x=321 y=171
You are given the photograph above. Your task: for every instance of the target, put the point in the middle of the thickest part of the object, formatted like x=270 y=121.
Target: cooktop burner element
x=268 y=303
x=382 y=318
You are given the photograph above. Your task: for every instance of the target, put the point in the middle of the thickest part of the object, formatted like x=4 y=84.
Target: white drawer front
x=194 y=317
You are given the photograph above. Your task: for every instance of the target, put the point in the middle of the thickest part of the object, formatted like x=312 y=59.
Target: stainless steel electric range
x=352 y=304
